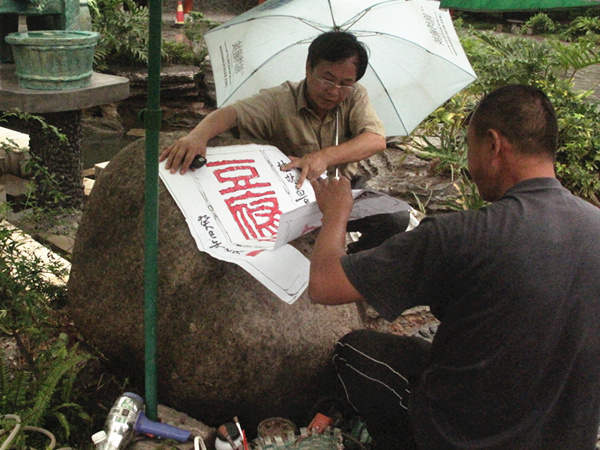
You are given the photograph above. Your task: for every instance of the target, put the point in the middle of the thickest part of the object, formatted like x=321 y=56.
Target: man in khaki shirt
x=300 y=118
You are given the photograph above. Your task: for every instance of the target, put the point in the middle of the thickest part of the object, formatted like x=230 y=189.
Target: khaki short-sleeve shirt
x=282 y=117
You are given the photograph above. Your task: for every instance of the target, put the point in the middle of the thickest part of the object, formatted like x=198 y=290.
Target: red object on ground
x=188 y=5
x=245 y=440
x=179 y=19
x=319 y=423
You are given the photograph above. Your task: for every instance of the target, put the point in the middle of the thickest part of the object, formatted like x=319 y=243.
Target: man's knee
x=356 y=341
x=355 y=337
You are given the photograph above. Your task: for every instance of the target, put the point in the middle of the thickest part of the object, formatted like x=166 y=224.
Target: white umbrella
x=416 y=61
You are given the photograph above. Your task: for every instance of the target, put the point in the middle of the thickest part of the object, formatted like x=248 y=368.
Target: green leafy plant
x=575 y=56
x=539 y=23
x=28 y=117
x=179 y=53
x=44 y=399
x=41 y=390
x=582 y=25
x=195 y=25
x=123 y=26
x=500 y=60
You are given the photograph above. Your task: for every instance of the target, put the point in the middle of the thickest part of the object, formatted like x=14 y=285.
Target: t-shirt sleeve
x=255 y=115
x=362 y=115
x=406 y=270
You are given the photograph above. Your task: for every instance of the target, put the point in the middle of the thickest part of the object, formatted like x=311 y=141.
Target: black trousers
x=376 y=372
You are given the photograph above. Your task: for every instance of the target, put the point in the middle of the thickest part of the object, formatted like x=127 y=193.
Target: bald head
x=523 y=115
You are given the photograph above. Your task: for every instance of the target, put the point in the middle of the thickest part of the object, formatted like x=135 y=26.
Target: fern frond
x=48 y=386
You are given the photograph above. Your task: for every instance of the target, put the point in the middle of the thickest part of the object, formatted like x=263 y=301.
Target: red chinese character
x=255 y=212
x=236 y=174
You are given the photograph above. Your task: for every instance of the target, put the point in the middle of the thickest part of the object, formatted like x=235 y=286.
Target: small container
x=53 y=59
x=276 y=426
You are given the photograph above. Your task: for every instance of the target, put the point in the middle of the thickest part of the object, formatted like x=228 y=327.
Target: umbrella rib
x=417 y=45
x=260 y=66
x=335 y=27
x=387 y=93
x=350 y=22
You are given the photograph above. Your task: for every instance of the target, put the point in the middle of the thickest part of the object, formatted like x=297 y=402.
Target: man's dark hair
x=335 y=46
x=523 y=114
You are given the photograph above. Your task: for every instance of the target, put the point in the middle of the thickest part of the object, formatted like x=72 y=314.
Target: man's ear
x=308 y=68
x=497 y=142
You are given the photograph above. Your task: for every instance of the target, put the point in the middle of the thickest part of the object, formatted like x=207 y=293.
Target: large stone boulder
x=226 y=345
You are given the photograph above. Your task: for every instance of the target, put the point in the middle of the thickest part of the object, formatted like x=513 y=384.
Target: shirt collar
x=533 y=184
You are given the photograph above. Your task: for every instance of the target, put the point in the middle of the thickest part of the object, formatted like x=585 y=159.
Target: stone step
x=14 y=147
x=20 y=139
x=14 y=186
x=31 y=248
x=88 y=185
x=99 y=167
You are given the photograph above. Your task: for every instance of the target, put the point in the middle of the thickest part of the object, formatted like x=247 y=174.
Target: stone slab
x=99 y=168
x=7 y=135
x=13 y=185
x=62 y=242
x=30 y=248
x=88 y=185
x=103 y=89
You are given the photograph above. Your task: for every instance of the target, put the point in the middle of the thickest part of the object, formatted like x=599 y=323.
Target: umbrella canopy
x=416 y=61
x=515 y=5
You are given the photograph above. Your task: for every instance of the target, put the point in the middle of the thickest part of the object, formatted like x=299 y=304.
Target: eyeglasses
x=329 y=85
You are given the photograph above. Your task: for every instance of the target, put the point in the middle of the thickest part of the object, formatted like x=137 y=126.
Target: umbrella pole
x=152 y=119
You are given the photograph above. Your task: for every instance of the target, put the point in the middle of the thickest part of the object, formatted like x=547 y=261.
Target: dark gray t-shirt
x=516 y=360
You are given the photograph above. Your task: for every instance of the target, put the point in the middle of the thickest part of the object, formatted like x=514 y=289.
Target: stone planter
x=53 y=59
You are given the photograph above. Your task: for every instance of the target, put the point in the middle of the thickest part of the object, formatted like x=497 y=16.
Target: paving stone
x=589 y=79
x=13 y=185
x=60 y=241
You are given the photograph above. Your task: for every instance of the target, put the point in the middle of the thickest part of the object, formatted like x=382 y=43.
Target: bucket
x=53 y=59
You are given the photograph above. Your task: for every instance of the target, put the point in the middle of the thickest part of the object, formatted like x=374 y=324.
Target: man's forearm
x=328 y=283
x=356 y=149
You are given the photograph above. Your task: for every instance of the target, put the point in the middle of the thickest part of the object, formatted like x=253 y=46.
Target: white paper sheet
x=241 y=208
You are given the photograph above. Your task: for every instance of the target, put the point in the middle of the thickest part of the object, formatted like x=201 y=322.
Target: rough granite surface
x=226 y=345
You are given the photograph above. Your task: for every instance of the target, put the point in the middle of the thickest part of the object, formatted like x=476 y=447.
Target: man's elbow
x=381 y=142
x=377 y=142
x=326 y=289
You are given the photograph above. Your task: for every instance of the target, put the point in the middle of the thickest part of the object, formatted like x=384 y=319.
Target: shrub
x=540 y=23
x=582 y=25
x=499 y=61
x=41 y=392
x=123 y=27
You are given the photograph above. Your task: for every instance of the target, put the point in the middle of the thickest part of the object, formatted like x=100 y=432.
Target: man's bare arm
x=180 y=154
x=358 y=148
x=328 y=283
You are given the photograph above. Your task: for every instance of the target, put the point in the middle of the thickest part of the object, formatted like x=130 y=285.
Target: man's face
x=481 y=165
x=329 y=83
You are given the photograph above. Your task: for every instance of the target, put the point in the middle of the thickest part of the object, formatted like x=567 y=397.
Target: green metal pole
x=152 y=119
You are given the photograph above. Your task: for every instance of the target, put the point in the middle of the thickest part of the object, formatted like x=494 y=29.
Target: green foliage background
x=548 y=64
